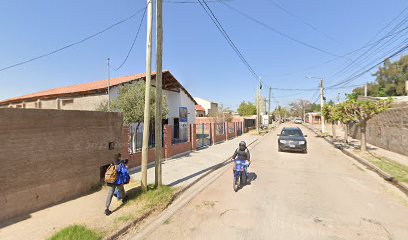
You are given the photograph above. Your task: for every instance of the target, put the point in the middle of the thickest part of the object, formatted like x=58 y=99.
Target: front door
x=176 y=130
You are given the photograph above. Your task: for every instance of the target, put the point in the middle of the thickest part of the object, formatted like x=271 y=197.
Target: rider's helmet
x=242 y=146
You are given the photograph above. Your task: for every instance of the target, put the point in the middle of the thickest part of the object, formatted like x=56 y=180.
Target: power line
x=210 y=13
x=352 y=78
x=279 y=32
x=133 y=43
x=294 y=89
x=391 y=34
x=72 y=44
x=301 y=19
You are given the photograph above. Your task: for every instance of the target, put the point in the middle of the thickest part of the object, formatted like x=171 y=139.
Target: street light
x=321 y=100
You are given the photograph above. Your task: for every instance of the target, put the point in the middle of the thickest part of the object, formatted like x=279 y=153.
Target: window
x=65 y=102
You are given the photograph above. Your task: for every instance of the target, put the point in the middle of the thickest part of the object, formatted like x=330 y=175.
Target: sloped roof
x=199 y=108
x=169 y=83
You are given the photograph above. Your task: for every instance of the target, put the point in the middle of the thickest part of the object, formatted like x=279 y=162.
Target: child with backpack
x=115 y=177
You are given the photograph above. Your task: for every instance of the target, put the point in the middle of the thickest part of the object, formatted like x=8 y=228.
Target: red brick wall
x=50 y=156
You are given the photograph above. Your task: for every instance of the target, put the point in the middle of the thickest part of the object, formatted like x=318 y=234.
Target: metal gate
x=203 y=135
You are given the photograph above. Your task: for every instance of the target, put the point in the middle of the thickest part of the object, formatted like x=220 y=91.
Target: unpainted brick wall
x=388 y=130
x=50 y=156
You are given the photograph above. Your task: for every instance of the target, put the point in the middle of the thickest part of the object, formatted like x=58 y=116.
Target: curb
x=217 y=166
x=387 y=177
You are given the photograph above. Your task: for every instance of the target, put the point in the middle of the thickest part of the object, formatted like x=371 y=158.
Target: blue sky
x=194 y=50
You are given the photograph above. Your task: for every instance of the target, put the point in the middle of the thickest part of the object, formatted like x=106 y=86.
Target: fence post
x=213 y=133
x=193 y=129
x=226 y=130
x=167 y=140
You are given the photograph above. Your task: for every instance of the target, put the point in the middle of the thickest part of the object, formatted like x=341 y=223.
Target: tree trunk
x=334 y=130
x=363 y=137
x=346 y=128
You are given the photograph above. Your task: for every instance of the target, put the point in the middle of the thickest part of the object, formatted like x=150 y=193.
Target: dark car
x=292 y=139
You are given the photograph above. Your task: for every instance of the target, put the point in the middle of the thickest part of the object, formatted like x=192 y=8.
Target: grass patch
x=395 y=169
x=76 y=232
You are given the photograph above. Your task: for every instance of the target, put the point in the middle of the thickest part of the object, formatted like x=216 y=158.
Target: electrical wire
x=314 y=28
x=211 y=14
x=134 y=40
x=72 y=44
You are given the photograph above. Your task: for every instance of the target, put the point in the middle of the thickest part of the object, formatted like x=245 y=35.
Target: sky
x=194 y=50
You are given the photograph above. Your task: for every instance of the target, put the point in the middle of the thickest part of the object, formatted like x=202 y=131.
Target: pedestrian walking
x=115 y=177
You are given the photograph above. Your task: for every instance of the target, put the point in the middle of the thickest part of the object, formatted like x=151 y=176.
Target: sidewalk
x=355 y=143
x=177 y=172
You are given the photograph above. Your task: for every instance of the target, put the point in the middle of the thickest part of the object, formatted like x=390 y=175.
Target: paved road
x=319 y=195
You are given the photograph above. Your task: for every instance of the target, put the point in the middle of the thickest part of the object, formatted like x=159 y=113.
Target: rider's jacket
x=241 y=154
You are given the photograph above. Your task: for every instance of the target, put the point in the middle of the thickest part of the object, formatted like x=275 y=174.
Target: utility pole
x=269 y=104
x=322 y=104
x=146 y=117
x=258 y=92
x=108 y=68
x=365 y=90
x=159 y=76
x=338 y=98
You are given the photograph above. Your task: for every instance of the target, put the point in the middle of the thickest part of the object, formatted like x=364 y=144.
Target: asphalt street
x=319 y=195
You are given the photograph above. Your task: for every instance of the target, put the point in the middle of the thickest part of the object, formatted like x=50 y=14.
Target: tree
x=246 y=109
x=362 y=111
x=390 y=79
x=343 y=116
x=299 y=107
x=223 y=114
x=330 y=114
x=130 y=103
x=281 y=112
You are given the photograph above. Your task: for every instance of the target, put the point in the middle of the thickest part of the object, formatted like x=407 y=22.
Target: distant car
x=298 y=121
x=292 y=139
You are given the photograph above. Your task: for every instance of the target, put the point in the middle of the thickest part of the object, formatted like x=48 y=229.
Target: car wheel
x=279 y=149
x=305 y=152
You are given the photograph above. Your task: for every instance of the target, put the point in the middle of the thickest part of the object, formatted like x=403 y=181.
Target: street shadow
x=216 y=166
x=251 y=177
x=14 y=220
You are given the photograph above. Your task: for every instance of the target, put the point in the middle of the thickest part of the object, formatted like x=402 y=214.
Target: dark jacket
x=242 y=154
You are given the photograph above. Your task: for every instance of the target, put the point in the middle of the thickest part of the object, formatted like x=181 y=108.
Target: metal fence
x=136 y=137
x=203 y=135
x=219 y=128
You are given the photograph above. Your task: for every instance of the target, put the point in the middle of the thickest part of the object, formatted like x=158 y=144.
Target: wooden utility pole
x=257 y=105
x=159 y=76
x=322 y=104
x=365 y=90
x=108 y=69
x=269 y=104
x=146 y=117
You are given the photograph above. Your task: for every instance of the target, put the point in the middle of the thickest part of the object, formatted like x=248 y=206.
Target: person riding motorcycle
x=242 y=153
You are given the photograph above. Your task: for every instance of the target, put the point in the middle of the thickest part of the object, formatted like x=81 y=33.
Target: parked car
x=292 y=139
x=298 y=121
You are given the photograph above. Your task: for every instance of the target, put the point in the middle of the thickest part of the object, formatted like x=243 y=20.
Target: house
x=200 y=111
x=313 y=118
x=90 y=96
x=211 y=108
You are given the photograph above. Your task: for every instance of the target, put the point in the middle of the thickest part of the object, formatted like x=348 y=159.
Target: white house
x=209 y=107
x=89 y=97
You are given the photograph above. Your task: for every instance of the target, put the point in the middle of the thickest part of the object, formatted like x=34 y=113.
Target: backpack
x=111 y=175
x=123 y=175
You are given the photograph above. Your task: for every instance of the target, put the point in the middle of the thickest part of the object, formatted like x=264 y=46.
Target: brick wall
x=388 y=130
x=49 y=156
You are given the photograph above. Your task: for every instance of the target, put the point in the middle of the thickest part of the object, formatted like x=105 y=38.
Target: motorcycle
x=239 y=174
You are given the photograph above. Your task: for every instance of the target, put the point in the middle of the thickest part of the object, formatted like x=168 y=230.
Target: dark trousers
x=110 y=194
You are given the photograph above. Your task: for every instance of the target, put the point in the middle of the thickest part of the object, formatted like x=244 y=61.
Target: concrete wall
x=49 y=156
x=388 y=130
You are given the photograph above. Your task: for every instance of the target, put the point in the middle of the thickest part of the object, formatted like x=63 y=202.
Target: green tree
x=362 y=111
x=341 y=112
x=330 y=114
x=246 y=109
x=130 y=103
x=390 y=79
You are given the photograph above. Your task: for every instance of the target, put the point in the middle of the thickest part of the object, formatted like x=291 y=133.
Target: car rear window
x=291 y=132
